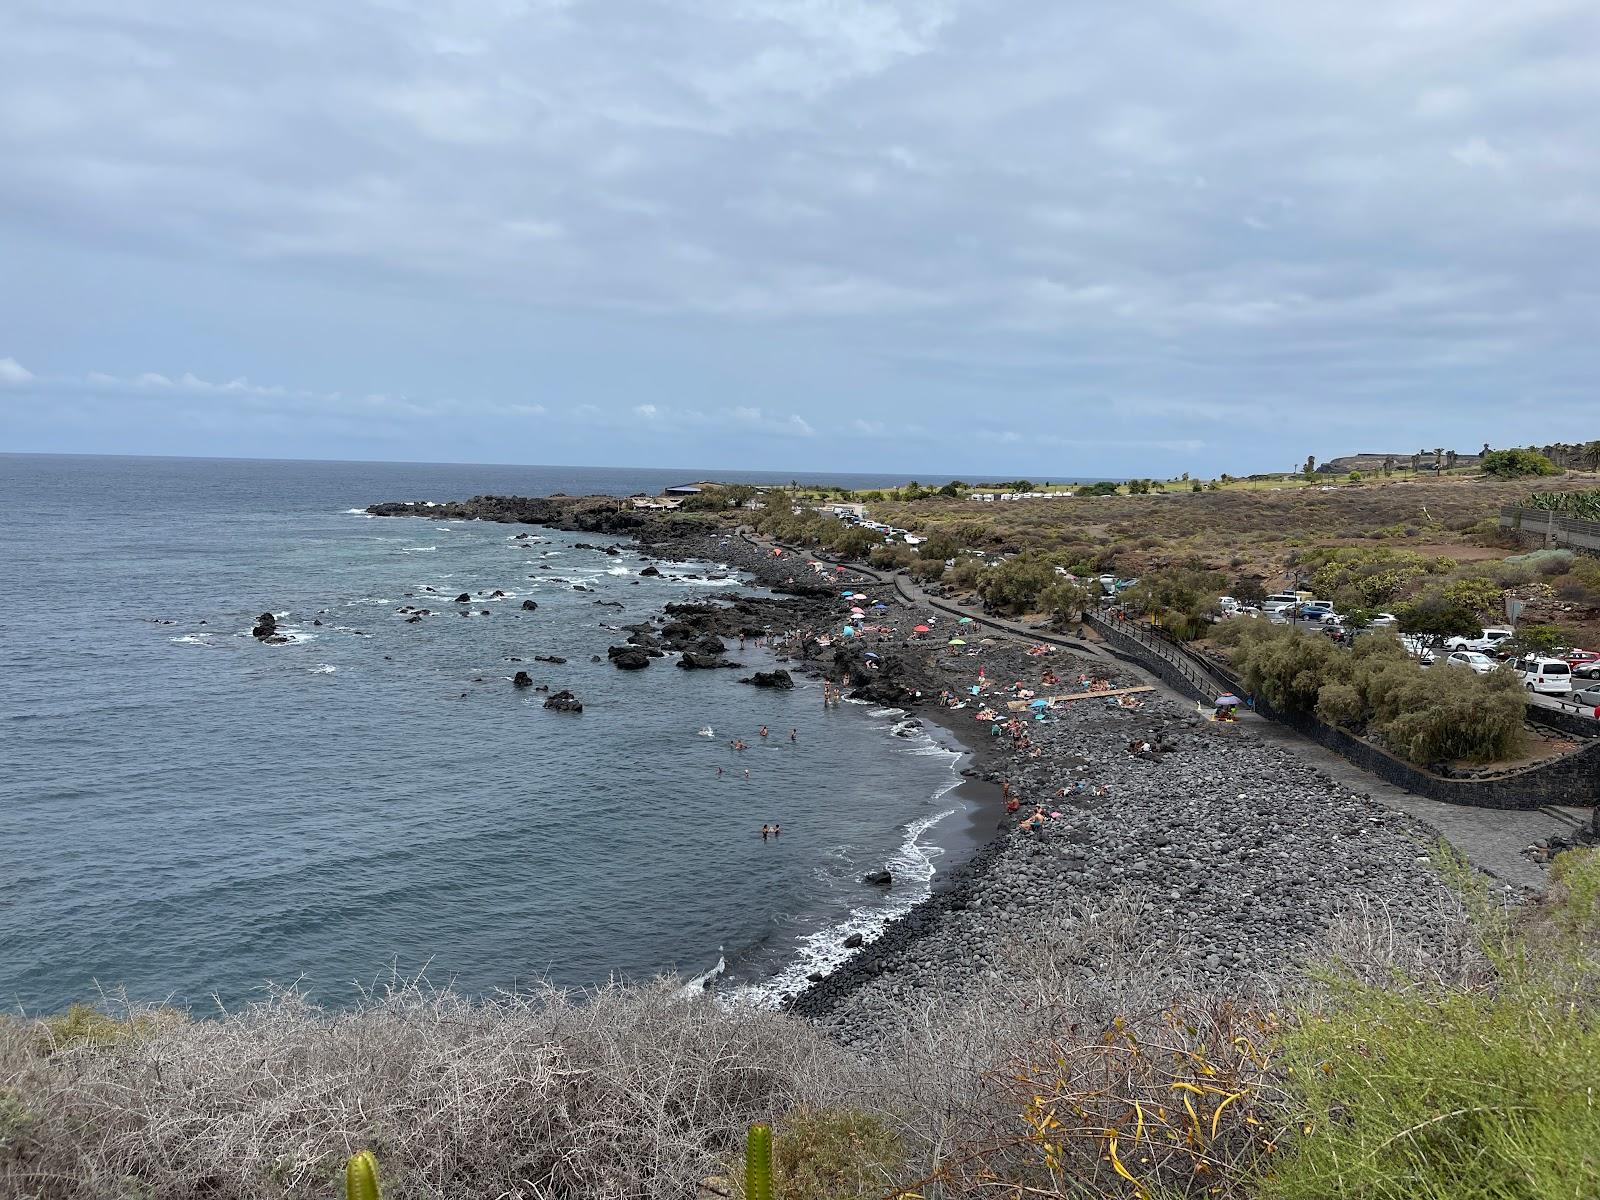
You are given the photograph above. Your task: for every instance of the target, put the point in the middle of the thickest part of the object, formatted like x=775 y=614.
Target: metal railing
x=1162 y=643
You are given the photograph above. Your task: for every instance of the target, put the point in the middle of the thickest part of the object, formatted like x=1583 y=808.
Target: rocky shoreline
x=1241 y=857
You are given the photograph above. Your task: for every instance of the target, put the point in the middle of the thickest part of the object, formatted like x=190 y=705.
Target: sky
x=1007 y=237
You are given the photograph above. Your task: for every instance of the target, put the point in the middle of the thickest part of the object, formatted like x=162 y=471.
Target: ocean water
x=186 y=813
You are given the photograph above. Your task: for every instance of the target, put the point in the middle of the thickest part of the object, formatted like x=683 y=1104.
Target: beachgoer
x=776 y=829
x=766 y=832
x=793 y=735
x=1035 y=821
x=763 y=731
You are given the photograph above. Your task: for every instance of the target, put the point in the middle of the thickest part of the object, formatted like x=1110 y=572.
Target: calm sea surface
x=185 y=812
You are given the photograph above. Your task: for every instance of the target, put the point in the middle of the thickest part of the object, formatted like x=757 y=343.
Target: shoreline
x=1242 y=860
x=752 y=971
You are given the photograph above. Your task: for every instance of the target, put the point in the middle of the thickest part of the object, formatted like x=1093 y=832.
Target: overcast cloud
x=1018 y=236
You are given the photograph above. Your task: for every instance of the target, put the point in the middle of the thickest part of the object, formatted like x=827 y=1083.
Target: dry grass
x=1087 y=1059
x=628 y=1093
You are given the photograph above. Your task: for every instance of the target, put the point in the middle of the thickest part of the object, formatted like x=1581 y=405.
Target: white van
x=1553 y=676
x=1279 y=600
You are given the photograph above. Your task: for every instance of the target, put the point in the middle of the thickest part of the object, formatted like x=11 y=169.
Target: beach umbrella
x=870 y=654
x=957 y=642
x=921 y=629
x=964 y=620
x=880 y=604
x=849 y=632
x=1227 y=700
x=1040 y=704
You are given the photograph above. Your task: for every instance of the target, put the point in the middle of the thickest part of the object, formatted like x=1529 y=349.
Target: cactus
x=361 y=1177
x=758 y=1163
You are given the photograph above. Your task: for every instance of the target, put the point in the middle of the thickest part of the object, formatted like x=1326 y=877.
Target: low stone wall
x=1566 y=720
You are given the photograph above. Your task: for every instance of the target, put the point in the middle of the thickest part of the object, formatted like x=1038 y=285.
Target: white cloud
x=1477 y=152
x=952 y=207
x=13 y=373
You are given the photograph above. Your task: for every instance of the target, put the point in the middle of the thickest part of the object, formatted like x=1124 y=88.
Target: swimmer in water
x=763 y=731
x=766 y=832
x=793 y=736
x=776 y=829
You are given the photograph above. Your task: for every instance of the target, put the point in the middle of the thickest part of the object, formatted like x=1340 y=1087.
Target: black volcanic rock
x=522 y=680
x=529 y=606
x=779 y=679
x=564 y=702
x=628 y=658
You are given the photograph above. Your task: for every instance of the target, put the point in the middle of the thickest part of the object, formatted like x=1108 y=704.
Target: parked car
x=1585 y=663
x=1588 y=698
x=1417 y=646
x=1486 y=642
x=1383 y=621
x=1473 y=660
x=1552 y=676
x=1311 y=615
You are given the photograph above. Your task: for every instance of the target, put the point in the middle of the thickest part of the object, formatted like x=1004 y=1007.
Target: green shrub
x=1016 y=584
x=837 y=1154
x=1376 y=690
x=1480 y=595
x=1516 y=464
x=85 y=1025
x=1409 y=1091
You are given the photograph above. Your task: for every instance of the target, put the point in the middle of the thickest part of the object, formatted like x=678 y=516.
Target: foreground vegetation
x=1461 y=1067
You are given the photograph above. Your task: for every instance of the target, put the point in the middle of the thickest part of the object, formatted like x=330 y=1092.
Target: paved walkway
x=1491 y=839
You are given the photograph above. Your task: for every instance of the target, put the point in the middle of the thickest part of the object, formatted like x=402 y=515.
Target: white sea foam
x=417 y=549
x=324 y=669
x=700 y=982
x=619 y=571
x=358 y=512
x=913 y=868
x=193 y=639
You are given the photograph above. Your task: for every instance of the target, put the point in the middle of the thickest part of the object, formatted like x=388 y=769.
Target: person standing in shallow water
x=766 y=832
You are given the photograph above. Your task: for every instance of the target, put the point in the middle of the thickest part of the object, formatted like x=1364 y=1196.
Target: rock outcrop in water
x=584 y=514
x=779 y=680
x=564 y=702
x=266 y=630
x=522 y=680
x=629 y=658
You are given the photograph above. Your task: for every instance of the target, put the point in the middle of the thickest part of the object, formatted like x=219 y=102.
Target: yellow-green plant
x=1418 y=1091
x=361 y=1177
x=758 y=1163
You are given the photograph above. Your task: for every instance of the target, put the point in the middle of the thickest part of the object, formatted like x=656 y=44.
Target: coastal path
x=1492 y=840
